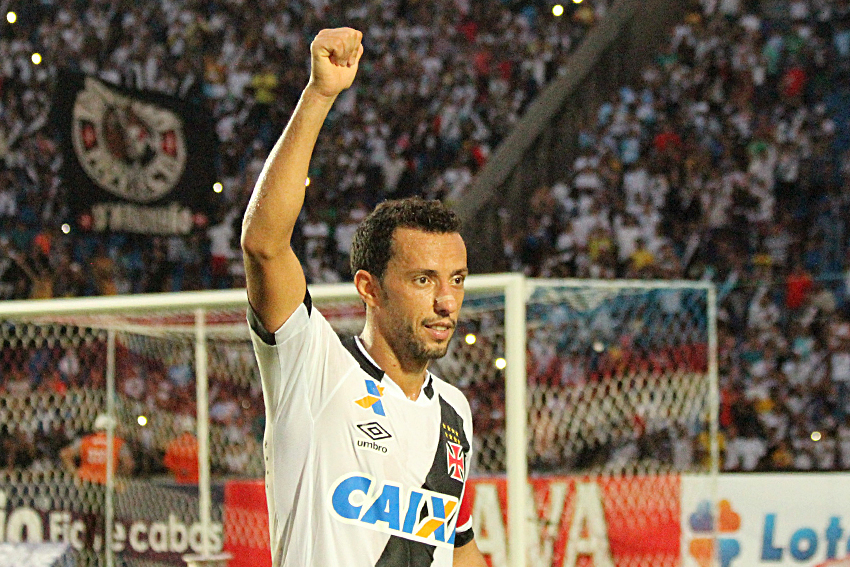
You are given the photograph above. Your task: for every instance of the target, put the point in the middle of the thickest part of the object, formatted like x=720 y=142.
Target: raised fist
x=335 y=54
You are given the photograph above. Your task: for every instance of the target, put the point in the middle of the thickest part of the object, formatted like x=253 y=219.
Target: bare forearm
x=469 y=556
x=279 y=193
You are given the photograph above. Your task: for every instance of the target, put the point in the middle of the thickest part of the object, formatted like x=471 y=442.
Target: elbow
x=250 y=243
x=260 y=245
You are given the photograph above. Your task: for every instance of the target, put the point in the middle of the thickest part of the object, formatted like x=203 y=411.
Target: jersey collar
x=370 y=367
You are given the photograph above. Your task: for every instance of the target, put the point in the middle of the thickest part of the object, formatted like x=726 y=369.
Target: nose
x=445 y=304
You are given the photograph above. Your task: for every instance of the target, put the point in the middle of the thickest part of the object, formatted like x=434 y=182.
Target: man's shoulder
x=304 y=317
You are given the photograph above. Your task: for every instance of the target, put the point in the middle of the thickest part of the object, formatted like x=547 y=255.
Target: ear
x=368 y=287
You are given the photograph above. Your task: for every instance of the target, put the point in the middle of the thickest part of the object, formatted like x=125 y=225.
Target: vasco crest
x=132 y=149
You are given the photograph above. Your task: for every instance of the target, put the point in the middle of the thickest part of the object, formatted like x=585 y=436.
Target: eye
x=458 y=280
x=422 y=280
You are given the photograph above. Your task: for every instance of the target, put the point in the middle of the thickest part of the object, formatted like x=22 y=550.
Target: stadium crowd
x=729 y=162
x=442 y=84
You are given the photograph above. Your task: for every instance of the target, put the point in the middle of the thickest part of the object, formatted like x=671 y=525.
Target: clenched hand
x=335 y=54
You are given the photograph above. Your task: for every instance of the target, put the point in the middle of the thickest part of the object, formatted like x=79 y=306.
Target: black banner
x=134 y=161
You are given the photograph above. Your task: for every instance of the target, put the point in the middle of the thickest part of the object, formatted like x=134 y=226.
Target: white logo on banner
x=132 y=149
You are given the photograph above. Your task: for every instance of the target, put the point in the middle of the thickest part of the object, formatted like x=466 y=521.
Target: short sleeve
x=463 y=531
x=300 y=363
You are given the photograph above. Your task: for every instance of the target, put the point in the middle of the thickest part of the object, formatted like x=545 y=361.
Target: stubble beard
x=408 y=345
x=415 y=348
x=421 y=351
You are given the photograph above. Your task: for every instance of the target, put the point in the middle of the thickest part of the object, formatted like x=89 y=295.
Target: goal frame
x=517 y=290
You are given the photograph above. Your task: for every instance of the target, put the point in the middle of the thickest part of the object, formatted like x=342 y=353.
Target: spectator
x=103 y=272
x=36 y=267
x=87 y=455
x=17 y=449
x=781 y=457
x=798 y=284
x=839 y=368
x=181 y=453
x=641 y=261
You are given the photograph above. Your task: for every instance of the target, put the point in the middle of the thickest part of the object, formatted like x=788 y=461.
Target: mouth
x=440 y=330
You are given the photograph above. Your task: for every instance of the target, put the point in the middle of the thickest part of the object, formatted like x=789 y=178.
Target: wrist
x=315 y=94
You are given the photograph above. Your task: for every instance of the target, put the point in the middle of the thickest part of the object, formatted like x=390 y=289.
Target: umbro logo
x=374 y=430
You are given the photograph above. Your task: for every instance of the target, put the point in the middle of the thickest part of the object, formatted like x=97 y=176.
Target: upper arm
x=276 y=286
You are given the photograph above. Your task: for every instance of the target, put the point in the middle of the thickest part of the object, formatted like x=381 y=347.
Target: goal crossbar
x=182 y=300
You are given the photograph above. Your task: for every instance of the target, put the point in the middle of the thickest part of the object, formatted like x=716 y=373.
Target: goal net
x=606 y=381
x=618 y=378
x=620 y=401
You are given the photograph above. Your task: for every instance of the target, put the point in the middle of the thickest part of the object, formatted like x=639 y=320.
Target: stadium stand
x=423 y=118
x=435 y=95
x=728 y=161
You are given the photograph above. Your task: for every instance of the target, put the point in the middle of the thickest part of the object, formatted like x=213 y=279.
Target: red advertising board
x=580 y=522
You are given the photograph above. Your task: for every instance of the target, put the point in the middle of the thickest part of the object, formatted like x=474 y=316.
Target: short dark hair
x=371 y=248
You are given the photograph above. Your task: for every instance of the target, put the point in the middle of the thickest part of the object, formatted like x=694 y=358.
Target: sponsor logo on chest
x=372 y=399
x=371 y=435
x=415 y=514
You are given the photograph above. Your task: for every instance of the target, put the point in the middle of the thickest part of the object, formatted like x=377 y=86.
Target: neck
x=409 y=375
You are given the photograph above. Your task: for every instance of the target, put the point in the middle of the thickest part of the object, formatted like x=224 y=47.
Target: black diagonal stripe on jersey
x=308 y=302
x=438 y=479
x=350 y=344
x=429 y=387
x=400 y=552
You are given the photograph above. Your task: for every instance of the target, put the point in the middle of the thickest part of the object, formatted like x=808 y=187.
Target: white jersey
x=357 y=474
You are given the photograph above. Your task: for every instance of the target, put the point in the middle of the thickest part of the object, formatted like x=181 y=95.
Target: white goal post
x=509 y=295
